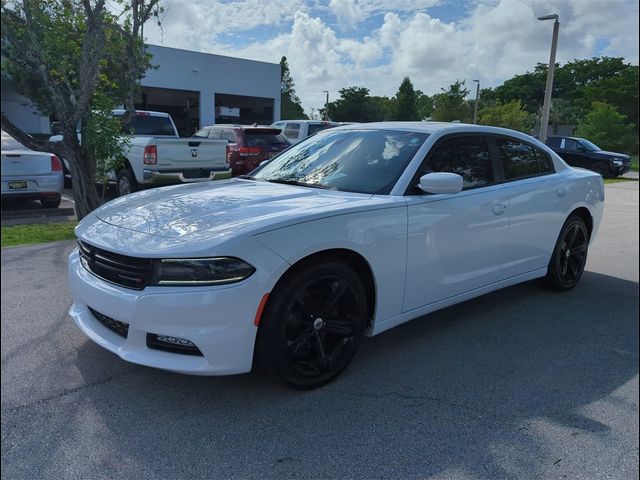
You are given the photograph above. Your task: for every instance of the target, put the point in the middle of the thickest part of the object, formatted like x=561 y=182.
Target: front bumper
x=620 y=169
x=156 y=177
x=218 y=320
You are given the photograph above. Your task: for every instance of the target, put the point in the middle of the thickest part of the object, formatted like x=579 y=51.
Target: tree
x=76 y=61
x=605 y=127
x=424 y=105
x=451 y=104
x=290 y=107
x=354 y=105
x=508 y=115
x=406 y=108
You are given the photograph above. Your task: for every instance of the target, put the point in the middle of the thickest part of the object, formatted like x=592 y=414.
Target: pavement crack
x=64 y=393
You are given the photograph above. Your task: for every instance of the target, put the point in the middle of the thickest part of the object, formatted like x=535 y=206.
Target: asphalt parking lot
x=521 y=383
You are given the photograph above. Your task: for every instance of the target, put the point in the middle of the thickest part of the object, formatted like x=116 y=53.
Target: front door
x=455 y=241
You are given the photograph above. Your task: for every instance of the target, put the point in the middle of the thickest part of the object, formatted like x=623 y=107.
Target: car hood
x=218 y=208
x=621 y=156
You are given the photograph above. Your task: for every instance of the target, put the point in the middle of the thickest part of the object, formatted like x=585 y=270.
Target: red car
x=248 y=145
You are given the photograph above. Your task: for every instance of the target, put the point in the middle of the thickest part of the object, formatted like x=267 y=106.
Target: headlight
x=617 y=162
x=200 y=271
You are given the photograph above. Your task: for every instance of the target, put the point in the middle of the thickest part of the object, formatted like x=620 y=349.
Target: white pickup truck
x=157 y=155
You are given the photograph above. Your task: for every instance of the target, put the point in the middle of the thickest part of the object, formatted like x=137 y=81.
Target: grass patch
x=37 y=233
x=634 y=163
x=619 y=179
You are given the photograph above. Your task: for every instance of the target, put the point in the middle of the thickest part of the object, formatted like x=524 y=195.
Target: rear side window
x=229 y=136
x=553 y=142
x=149 y=125
x=570 y=144
x=468 y=156
x=316 y=127
x=292 y=130
x=263 y=139
x=520 y=160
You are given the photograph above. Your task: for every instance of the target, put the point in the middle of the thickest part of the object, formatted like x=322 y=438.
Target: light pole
x=475 y=106
x=326 y=106
x=546 y=106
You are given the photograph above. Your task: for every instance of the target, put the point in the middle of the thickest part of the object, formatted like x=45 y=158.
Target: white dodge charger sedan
x=348 y=233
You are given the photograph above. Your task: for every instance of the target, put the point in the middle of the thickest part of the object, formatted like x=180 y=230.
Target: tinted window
x=554 y=142
x=215 y=134
x=149 y=125
x=292 y=130
x=468 y=156
x=263 y=139
x=545 y=164
x=365 y=161
x=570 y=144
x=316 y=127
x=519 y=159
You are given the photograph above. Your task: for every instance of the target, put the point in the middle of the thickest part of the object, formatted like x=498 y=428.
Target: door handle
x=561 y=191
x=499 y=209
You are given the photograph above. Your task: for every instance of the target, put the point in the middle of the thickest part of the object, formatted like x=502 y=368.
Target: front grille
x=128 y=272
x=115 y=326
x=155 y=343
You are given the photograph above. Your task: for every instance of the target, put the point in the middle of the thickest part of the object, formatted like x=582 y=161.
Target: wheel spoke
x=338 y=289
x=574 y=235
x=339 y=327
x=322 y=354
x=574 y=266
x=579 y=249
x=296 y=348
x=564 y=263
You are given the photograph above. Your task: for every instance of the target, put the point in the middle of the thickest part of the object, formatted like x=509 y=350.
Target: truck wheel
x=126 y=182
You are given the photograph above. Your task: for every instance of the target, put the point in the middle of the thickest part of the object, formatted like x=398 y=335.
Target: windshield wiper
x=285 y=181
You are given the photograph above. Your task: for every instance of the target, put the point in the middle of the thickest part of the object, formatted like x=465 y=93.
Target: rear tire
x=313 y=324
x=569 y=256
x=51 y=202
x=125 y=182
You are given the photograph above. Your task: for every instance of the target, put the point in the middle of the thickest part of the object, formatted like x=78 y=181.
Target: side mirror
x=441 y=182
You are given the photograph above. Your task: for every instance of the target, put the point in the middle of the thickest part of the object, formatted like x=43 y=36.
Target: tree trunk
x=85 y=194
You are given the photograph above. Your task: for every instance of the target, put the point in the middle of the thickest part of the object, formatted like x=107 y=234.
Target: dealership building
x=197 y=89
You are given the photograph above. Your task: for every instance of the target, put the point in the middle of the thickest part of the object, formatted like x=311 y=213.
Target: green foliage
x=354 y=105
x=424 y=105
x=451 y=104
x=406 y=99
x=508 y=115
x=605 y=127
x=290 y=107
x=384 y=107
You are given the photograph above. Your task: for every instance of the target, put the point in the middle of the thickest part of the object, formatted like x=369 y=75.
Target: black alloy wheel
x=313 y=324
x=569 y=256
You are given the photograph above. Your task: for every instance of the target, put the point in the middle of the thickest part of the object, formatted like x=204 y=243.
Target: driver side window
x=468 y=156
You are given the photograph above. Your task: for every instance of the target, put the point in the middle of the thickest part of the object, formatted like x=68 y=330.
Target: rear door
x=536 y=205
x=455 y=241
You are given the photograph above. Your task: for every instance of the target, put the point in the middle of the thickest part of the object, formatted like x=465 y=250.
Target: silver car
x=30 y=175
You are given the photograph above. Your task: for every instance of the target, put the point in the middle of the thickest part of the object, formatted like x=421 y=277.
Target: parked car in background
x=349 y=233
x=580 y=152
x=298 y=130
x=156 y=155
x=246 y=145
x=30 y=175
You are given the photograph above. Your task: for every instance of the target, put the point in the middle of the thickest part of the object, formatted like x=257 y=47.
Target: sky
x=333 y=44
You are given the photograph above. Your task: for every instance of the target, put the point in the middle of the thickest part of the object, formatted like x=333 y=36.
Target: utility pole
x=475 y=106
x=326 y=106
x=544 y=123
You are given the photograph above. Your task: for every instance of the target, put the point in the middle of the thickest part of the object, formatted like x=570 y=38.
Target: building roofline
x=210 y=54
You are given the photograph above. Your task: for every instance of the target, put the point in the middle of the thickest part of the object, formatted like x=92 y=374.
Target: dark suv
x=579 y=152
x=248 y=145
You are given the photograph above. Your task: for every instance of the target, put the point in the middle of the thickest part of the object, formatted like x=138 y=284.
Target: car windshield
x=10 y=143
x=363 y=161
x=589 y=145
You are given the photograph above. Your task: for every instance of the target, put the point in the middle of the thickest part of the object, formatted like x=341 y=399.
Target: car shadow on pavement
x=502 y=386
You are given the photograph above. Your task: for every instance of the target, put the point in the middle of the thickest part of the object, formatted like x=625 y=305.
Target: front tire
x=313 y=324
x=569 y=256
x=602 y=169
x=126 y=182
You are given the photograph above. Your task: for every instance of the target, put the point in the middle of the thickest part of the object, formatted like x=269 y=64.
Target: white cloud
x=494 y=41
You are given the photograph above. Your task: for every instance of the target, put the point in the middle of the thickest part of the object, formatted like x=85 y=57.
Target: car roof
x=433 y=127
x=141 y=112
